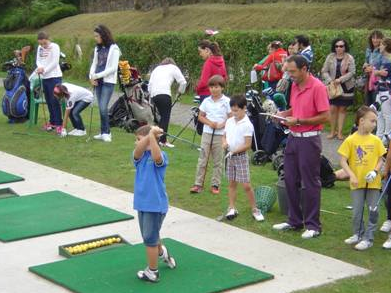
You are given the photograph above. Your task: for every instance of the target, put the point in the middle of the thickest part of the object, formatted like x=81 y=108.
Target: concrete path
x=294 y=268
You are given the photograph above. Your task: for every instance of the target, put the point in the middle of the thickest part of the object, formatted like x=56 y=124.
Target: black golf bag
x=327 y=175
x=15 y=103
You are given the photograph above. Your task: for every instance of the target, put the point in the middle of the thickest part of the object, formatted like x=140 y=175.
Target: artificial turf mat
x=8 y=178
x=114 y=270
x=50 y=212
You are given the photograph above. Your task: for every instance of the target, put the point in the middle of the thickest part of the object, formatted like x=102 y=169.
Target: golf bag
x=327 y=175
x=132 y=109
x=15 y=100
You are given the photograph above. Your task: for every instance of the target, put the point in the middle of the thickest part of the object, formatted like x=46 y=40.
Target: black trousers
x=163 y=105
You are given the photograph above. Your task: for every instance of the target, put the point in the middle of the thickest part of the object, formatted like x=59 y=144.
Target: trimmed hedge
x=240 y=49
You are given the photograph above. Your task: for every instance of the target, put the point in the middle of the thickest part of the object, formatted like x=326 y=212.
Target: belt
x=238 y=154
x=305 y=134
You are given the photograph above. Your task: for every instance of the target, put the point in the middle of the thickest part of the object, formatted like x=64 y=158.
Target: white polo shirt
x=76 y=94
x=216 y=111
x=237 y=131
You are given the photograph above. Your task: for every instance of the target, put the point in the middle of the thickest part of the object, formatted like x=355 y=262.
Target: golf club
x=227 y=155
x=183 y=140
x=373 y=214
x=362 y=212
x=177 y=99
x=40 y=96
x=30 y=134
x=91 y=112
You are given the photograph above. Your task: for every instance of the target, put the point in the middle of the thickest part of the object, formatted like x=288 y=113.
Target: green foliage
x=240 y=49
x=35 y=14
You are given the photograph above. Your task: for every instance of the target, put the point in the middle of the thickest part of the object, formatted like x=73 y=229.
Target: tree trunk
x=165 y=7
x=379 y=8
x=137 y=4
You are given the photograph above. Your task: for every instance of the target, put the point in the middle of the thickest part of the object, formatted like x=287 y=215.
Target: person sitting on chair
x=77 y=99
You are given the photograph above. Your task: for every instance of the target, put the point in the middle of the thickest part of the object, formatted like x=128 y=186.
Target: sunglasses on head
x=339 y=46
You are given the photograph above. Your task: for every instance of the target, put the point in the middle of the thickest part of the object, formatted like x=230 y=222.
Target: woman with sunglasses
x=339 y=68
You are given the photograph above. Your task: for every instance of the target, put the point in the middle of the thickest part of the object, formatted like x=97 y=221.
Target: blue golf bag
x=15 y=99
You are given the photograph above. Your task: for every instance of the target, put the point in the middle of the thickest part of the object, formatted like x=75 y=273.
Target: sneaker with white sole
x=231 y=214
x=282 y=227
x=98 y=136
x=106 y=137
x=308 y=234
x=257 y=215
x=167 y=258
x=386 y=227
x=79 y=132
x=352 y=239
x=363 y=245
x=72 y=131
x=148 y=275
x=387 y=244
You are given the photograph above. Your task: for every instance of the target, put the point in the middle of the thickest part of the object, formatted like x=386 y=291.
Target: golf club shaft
x=182 y=139
x=382 y=194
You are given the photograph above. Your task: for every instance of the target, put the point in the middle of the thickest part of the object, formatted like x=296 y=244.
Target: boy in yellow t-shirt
x=361 y=158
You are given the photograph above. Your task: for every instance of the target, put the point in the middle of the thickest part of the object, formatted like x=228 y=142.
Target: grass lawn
x=110 y=164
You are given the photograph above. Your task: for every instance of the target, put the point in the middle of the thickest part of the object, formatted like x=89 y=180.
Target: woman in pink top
x=214 y=65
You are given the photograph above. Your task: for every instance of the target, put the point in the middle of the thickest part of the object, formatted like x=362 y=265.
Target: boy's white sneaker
x=98 y=136
x=257 y=215
x=352 y=240
x=148 y=275
x=386 y=227
x=363 y=245
x=308 y=234
x=79 y=132
x=387 y=244
x=167 y=258
x=72 y=132
x=231 y=214
x=106 y=137
x=282 y=227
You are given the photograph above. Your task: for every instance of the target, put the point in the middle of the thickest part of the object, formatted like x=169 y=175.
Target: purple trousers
x=302 y=169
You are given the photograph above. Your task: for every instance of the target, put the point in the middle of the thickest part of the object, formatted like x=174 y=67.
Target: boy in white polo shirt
x=214 y=112
x=237 y=140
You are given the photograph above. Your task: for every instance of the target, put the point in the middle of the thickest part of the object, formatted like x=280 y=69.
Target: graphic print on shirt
x=360 y=152
x=43 y=53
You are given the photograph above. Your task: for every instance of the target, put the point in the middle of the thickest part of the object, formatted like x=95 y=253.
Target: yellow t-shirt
x=363 y=153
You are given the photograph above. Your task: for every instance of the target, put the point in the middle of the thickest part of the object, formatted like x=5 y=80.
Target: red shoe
x=58 y=130
x=215 y=190
x=196 y=189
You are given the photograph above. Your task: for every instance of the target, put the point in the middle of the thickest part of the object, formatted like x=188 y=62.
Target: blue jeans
x=150 y=224
x=75 y=117
x=55 y=117
x=104 y=91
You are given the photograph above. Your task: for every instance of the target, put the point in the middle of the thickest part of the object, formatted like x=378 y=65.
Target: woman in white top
x=103 y=75
x=77 y=99
x=48 y=68
x=159 y=88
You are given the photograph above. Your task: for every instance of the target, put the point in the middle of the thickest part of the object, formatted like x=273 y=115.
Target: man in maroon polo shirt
x=309 y=109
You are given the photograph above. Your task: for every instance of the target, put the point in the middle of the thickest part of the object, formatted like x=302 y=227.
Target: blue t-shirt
x=149 y=188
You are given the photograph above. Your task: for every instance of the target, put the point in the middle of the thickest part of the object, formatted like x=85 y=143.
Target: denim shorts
x=150 y=224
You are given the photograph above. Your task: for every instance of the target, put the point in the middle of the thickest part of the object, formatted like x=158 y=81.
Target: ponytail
x=212 y=46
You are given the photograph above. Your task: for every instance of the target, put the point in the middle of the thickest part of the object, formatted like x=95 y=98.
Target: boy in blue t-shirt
x=150 y=198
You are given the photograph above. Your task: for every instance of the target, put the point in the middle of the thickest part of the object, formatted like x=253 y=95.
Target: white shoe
x=72 y=132
x=257 y=215
x=231 y=214
x=386 y=227
x=98 y=136
x=363 y=245
x=387 y=244
x=352 y=240
x=308 y=234
x=282 y=227
x=167 y=258
x=106 y=137
x=79 y=132
x=148 y=275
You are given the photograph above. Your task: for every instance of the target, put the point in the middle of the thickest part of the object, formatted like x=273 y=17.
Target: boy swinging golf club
x=77 y=99
x=361 y=158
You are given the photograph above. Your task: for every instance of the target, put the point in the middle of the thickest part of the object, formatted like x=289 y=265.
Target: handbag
x=273 y=73
x=334 y=90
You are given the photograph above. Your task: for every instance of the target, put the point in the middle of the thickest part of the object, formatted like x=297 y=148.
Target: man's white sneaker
x=72 y=132
x=363 y=245
x=352 y=240
x=387 y=244
x=106 y=137
x=98 y=136
x=282 y=227
x=386 y=227
x=308 y=234
x=231 y=214
x=167 y=258
x=148 y=275
x=257 y=215
x=79 y=132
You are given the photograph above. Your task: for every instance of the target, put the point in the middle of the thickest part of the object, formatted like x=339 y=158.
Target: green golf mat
x=8 y=178
x=50 y=212
x=114 y=270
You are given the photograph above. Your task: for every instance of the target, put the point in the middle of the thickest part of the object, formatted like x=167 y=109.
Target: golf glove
x=63 y=132
x=370 y=177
